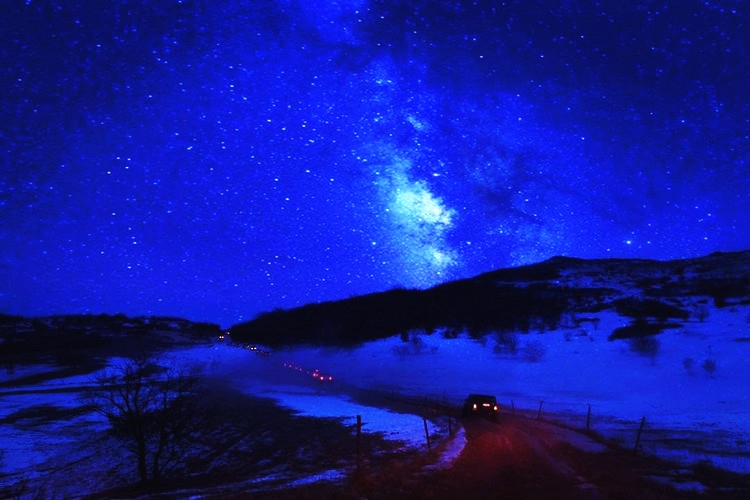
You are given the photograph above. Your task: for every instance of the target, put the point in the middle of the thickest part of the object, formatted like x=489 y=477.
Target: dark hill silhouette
x=75 y=339
x=533 y=297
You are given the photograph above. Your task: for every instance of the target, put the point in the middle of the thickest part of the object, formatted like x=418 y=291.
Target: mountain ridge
x=532 y=297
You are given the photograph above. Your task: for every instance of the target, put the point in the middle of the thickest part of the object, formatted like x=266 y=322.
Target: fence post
x=539 y=413
x=588 y=421
x=359 y=441
x=427 y=433
x=638 y=437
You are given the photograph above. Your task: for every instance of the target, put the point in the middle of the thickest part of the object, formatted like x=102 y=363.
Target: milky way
x=216 y=159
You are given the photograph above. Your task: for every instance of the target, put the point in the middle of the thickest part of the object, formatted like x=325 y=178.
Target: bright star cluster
x=213 y=160
x=419 y=221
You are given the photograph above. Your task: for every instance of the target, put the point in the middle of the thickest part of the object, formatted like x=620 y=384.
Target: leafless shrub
x=413 y=344
x=534 y=351
x=689 y=364
x=646 y=345
x=709 y=365
x=701 y=312
x=506 y=342
x=151 y=409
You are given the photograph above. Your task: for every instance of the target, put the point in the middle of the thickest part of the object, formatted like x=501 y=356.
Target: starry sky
x=214 y=159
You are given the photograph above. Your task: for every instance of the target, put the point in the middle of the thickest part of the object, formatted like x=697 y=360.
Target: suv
x=481 y=404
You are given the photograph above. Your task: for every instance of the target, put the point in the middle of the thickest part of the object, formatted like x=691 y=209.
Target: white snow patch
x=332 y=475
x=450 y=453
x=406 y=428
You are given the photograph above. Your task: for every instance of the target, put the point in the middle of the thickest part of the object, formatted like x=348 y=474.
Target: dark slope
x=534 y=297
x=76 y=339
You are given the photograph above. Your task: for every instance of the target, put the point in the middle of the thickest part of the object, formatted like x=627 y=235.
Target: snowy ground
x=266 y=377
x=45 y=428
x=691 y=414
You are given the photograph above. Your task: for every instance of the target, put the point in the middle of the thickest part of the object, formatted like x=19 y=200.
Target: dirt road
x=523 y=458
x=513 y=459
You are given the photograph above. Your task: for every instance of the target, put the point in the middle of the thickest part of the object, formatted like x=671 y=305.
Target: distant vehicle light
x=481 y=404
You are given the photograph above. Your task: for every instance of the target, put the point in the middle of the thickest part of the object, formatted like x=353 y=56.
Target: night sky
x=213 y=159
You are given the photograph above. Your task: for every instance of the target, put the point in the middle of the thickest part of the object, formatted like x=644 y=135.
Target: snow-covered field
x=258 y=376
x=34 y=447
x=691 y=413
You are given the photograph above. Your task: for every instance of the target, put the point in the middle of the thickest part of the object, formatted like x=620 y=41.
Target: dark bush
x=641 y=328
x=649 y=308
x=645 y=346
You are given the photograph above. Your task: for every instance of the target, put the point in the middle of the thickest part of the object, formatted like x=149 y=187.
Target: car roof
x=480 y=396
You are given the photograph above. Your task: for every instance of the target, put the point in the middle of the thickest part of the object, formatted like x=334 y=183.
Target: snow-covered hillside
x=692 y=412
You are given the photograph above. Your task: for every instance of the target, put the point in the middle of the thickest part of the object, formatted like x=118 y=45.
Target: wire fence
x=687 y=445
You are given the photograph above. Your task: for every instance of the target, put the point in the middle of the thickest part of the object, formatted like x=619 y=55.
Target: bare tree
x=152 y=409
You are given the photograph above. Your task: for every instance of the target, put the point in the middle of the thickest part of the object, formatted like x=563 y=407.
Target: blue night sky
x=213 y=159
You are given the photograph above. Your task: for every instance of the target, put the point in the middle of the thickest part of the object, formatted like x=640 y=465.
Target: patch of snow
x=580 y=441
x=406 y=428
x=27 y=446
x=687 y=486
x=450 y=453
x=332 y=475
